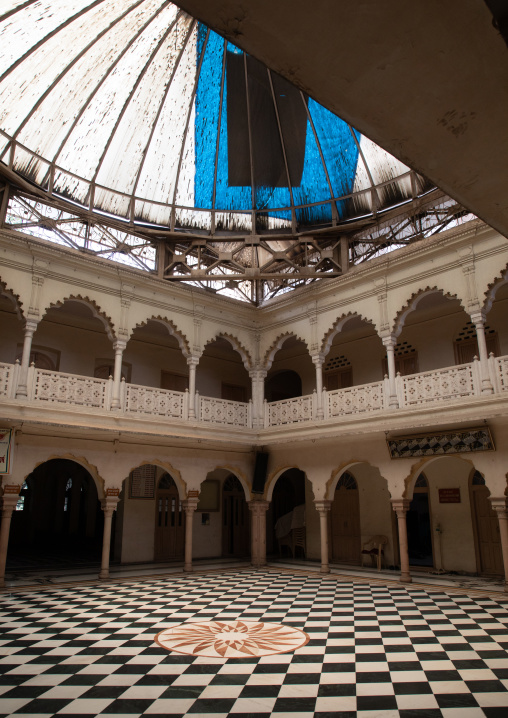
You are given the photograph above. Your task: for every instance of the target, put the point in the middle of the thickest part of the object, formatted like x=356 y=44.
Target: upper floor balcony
x=454 y=385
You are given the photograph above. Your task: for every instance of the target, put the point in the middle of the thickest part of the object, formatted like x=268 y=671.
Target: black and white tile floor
x=375 y=649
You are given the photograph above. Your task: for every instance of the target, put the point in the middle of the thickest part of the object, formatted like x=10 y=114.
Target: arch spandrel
x=235 y=344
x=338 y=326
x=277 y=344
x=415 y=299
x=172 y=328
x=89 y=302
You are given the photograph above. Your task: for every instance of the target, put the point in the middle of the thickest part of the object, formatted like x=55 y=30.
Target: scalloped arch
x=165 y=466
x=92 y=304
x=413 y=302
x=338 y=326
x=275 y=476
x=276 y=345
x=419 y=467
x=6 y=291
x=91 y=468
x=493 y=288
x=337 y=473
x=237 y=346
x=240 y=475
x=173 y=330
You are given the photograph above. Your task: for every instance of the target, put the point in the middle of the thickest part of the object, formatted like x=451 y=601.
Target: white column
x=119 y=347
x=258 y=531
x=189 y=505
x=9 y=501
x=192 y=362
x=30 y=327
x=478 y=319
x=108 y=505
x=499 y=506
x=323 y=508
x=389 y=343
x=257 y=377
x=318 y=360
x=401 y=506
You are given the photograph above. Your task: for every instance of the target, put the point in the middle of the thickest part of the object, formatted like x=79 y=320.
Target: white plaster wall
x=138 y=530
x=207 y=540
x=212 y=372
x=455 y=519
x=148 y=360
x=364 y=353
x=375 y=507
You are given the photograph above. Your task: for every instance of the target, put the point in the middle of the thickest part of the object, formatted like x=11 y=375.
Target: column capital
x=190 y=504
x=10 y=499
x=257 y=373
x=389 y=340
x=193 y=360
x=323 y=505
x=258 y=506
x=119 y=345
x=110 y=502
x=400 y=506
x=31 y=325
x=478 y=317
x=318 y=358
x=498 y=504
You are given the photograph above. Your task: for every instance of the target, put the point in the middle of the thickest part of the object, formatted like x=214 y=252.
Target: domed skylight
x=137 y=110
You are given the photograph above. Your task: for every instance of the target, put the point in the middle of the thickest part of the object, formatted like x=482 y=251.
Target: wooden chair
x=286 y=540
x=374 y=548
x=299 y=537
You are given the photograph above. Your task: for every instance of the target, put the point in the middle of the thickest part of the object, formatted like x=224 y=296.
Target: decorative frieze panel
x=356 y=399
x=436 y=385
x=290 y=411
x=156 y=402
x=222 y=411
x=56 y=387
x=501 y=364
x=6 y=378
x=436 y=444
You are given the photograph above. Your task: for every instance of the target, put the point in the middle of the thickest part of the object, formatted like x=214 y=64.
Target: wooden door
x=169 y=521
x=345 y=521
x=487 y=531
x=235 y=519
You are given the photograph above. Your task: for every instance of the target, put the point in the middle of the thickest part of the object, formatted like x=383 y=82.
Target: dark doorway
x=287 y=511
x=58 y=520
x=283 y=385
x=419 y=534
x=235 y=519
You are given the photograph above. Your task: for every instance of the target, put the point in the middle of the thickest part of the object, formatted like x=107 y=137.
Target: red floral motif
x=231 y=639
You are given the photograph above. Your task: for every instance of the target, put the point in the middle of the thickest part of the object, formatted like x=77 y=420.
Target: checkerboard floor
x=374 y=650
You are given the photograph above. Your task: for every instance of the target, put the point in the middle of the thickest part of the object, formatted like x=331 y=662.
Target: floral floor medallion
x=231 y=639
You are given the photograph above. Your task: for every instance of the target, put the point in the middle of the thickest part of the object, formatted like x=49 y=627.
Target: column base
x=325 y=569
x=103 y=575
x=188 y=568
x=405 y=578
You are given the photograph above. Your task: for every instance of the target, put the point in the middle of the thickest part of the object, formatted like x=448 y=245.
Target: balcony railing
x=43 y=387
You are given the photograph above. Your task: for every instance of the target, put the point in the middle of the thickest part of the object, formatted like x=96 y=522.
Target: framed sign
x=5 y=450
x=449 y=496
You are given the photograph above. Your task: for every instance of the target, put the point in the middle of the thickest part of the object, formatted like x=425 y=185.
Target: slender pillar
x=257 y=377
x=323 y=508
x=192 y=362
x=119 y=347
x=108 y=505
x=9 y=501
x=499 y=506
x=318 y=360
x=389 y=343
x=30 y=327
x=478 y=319
x=258 y=507
x=401 y=506
x=189 y=505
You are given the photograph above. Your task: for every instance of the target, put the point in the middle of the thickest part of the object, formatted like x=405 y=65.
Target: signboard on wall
x=5 y=450
x=449 y=496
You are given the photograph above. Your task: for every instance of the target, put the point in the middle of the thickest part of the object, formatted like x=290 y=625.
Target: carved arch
x=90 y=468
x=276 y=345
x=413 y=302
x=97 y=312
x=275 y=476
x=420 y=466
x=7 y=292
x=338 y=326
x=173 y=330
x=240 y=475
x=165 y=466
x=237 y=346
x=493 y=288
